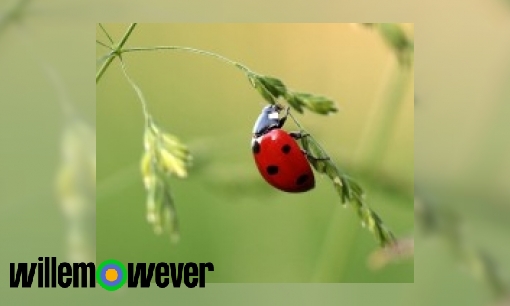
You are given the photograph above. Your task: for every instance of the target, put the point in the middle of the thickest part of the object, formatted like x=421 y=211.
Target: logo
x=110 y=274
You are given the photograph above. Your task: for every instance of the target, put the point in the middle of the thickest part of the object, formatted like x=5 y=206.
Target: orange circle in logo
x=111 y=275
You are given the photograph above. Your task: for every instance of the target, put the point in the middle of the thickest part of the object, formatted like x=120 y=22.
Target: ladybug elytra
x=279 y=158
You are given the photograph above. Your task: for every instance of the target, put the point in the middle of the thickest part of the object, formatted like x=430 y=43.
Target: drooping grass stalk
x=191 y=50
x=347 y=188
x=269 y=87
x=164 y=155
x=350 y=193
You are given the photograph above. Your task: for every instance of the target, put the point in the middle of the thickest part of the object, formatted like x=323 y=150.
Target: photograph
x=279 y=153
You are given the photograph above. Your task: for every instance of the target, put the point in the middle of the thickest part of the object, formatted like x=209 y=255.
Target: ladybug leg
x=282 y=120
x=308 y=155
x=298 y=135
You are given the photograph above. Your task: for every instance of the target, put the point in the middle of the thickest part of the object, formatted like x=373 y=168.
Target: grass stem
x=106 y=33
x=117 y=51
x=192 y=50
x=138 y=92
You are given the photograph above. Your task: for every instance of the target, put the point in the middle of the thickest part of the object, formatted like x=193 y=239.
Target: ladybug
x=279 y=158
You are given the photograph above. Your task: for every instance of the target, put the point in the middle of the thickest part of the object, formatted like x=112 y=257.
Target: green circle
x=121 y=267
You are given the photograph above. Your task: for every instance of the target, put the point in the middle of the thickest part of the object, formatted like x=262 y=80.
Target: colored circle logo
x=111 y=274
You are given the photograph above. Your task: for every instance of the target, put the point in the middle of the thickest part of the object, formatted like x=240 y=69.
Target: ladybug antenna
x=278 y=107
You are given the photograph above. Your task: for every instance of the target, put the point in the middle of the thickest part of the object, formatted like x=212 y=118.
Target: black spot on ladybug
x=272 y=170
x=286 y=149
x=302 y=179
x=255 y=147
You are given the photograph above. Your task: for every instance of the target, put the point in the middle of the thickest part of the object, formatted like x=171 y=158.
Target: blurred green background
x=461 y=142
x=228 y=214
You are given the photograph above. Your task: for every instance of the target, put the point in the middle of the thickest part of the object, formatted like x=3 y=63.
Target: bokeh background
x=461 y=123
x=228 y=214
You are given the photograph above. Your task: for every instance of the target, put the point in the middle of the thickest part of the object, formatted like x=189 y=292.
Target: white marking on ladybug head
x=273 y=115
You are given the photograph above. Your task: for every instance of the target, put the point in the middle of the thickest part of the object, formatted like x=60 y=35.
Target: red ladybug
x=280 y=160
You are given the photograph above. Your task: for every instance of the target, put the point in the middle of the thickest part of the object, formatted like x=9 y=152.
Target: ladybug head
x=272 y=109
x=267 y=120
